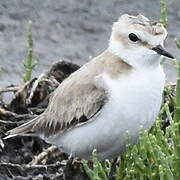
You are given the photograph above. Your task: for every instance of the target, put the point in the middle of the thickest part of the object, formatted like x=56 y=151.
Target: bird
x=116 y=92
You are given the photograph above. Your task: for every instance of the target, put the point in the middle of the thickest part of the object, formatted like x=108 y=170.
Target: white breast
x=137 y=96
x=134 y=102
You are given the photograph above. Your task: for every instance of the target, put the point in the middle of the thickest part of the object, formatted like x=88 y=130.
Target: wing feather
x=70 y=107
x=71 y=104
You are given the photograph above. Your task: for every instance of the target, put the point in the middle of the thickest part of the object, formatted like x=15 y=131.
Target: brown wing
x=69 y=106
x=73 y=102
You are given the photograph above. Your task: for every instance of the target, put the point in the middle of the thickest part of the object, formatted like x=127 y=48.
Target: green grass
x=163 y=12
x=29 y=64
x=177 y=110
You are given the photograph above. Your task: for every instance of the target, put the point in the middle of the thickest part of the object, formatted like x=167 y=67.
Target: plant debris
x=25 y=158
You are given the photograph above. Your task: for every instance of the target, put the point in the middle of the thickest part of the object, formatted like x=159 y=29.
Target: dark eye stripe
x=133 y=37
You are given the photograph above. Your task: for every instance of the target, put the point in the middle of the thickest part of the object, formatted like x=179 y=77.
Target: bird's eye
x=133 y=37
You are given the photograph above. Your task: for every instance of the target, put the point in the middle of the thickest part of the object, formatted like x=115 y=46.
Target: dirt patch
x=30 y=157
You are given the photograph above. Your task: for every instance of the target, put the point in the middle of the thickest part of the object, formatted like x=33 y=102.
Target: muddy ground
x=69 y=29
x=27 y=158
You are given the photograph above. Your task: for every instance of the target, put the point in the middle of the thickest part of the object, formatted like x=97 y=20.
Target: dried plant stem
x=10 y=89
x=38 y=159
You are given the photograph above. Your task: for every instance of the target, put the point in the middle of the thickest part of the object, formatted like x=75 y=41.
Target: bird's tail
x=26 y=129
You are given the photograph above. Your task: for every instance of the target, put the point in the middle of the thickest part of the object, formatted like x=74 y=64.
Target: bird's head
x=138 y=41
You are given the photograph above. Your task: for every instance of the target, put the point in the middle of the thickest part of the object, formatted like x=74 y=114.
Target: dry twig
x=44 y=155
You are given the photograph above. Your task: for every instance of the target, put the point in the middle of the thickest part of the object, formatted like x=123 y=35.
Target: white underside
x=134 y=101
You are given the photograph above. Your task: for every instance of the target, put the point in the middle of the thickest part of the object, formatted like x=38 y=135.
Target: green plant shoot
x=177 y=100
x=29 y=65
x=163 y=12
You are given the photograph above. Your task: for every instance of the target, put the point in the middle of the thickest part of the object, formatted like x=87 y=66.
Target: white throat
x=137 y=57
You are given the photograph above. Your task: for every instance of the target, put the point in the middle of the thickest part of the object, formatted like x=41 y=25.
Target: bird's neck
x=138 y=58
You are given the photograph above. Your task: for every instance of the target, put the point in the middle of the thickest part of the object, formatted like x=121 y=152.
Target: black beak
x=160 y=50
